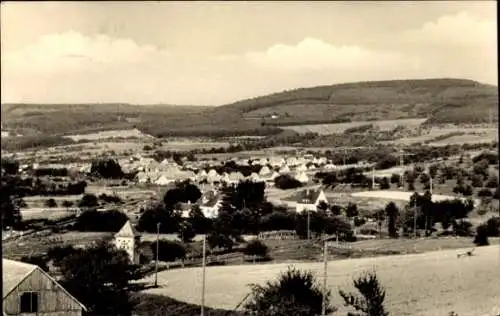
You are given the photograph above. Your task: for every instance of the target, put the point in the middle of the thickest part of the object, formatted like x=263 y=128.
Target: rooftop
x=13 y=273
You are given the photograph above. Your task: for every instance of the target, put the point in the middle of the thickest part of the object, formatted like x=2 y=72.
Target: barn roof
x=127 y=231
x=14 y=272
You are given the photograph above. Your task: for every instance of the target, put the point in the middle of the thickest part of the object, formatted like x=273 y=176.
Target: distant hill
x=439 y=100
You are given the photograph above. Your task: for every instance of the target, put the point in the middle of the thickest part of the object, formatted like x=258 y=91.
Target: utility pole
x=415 y=220
x=308 y=224
x=325 y=266
x=373 y=178
x=156 y=263
x=202 y=312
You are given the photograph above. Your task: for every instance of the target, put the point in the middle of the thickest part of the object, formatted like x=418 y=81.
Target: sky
x=212 y=53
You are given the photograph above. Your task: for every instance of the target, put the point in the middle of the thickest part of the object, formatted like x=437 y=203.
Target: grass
x=54 y=213
x=339 y=128
x=432 y=283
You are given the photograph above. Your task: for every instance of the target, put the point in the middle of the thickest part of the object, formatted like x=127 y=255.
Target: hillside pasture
x=53 y=213
x=339 y=128
x=399 y=195
x=124 y=133
x=432 y=283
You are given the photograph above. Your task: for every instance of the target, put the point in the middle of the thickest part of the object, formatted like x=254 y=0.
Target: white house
x=264 y=171
x=309 y=200
x=284 y=169
x=128 y=239
x=210 y=204
x=302 y=177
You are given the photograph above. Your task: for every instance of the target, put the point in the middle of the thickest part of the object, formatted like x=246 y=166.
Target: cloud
x=312 y=53
x=461 y=30
x=71 y=67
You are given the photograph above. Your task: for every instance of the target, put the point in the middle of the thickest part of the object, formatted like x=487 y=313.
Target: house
x=264 y=171
x=254 y=177
x=284 y=169
x=302 y=177
x=128 y=239
x=235 y=177
x=28 y=290
x=308 y=200
x=213 y=176
x=211 y=204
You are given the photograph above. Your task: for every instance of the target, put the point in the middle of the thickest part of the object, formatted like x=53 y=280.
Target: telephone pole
x=308 y=224
x=415 y=220
x=156 y=263
x=325 y=273
x=373 y=178
x=202 y=312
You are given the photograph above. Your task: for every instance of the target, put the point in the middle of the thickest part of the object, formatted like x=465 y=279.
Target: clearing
x=432 y=283
x=339 y=128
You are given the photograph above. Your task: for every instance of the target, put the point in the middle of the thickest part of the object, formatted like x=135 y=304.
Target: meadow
x=432 y=283
x=339 y=128
x=54 y=213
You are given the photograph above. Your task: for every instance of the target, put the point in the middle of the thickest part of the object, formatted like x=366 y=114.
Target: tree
x=67 y=204
x=88 y=201
x=481 y=167
x=492 y=181
x=9 y=204
x=186 y=232
x=168 y=250
x=476 y=181
x=336 y=210
x=158 y=213
x=95 y=221
x=107 y=168
x=99 y=276
x=481 y=238
x=294 y=293
x=256 y=248
x=285 y=182
x=392 y=212
x=371 y=301
x=183 y=192
x=200 y=224
x=219 y=240
x=322 y=206
x=384 y=183
x=484 y=193
x=50 y=203
x=351 y=210
x=395 y=178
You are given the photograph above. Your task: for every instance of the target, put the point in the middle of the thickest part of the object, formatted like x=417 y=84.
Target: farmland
x=434 y=283
x=338 y=128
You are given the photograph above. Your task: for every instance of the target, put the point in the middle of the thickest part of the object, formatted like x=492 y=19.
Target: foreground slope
x=433 y=283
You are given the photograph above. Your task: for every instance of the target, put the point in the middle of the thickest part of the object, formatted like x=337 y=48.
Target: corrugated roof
x=127 y=231
x=13 y=273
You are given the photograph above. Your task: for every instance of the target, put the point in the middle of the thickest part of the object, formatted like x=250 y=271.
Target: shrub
x=481 y=238
x=256 y=248
x=285 y=182
x=484 y=193
x=371 y=301
x=50 y=203
x=169 y=250
x=294 y=293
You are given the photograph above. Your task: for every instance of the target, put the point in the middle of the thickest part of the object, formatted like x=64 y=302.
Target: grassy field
x=432 y=283
x=54 y=213
x=339 y=128
x=109 y=134
x=40 y=245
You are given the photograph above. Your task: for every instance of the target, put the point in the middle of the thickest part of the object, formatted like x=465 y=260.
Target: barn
x=28 y=290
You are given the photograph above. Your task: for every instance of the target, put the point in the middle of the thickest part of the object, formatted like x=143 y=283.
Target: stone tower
x=128 y=239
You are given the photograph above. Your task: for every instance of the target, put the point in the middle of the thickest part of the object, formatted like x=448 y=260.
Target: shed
x=28 y=290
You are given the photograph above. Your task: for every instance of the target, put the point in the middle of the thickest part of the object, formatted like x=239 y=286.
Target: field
x=433 y=283
x=398 y=195
x=124 y=133
x=54 y=213
x=339 y=128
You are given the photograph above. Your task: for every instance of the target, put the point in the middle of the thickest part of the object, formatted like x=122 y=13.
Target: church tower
x=128 y=239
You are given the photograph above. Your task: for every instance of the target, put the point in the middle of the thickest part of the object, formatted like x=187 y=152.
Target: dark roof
x=308 y=196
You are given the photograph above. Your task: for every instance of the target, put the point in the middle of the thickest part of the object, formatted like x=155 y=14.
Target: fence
x=278 y=234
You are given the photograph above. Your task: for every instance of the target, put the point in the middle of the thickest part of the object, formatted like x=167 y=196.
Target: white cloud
x=312 y=53
x=461 y=29
x=71 y=67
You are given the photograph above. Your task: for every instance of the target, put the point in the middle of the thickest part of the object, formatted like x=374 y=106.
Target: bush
x=395 y=178
x=371 y=301
x=359 y=221
x=256 y=248
x=94 y=221
x=481 y=238
x=484 y=193
x=169 y=250
x=294 y=293
x=285 y=182
x=50 y=203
